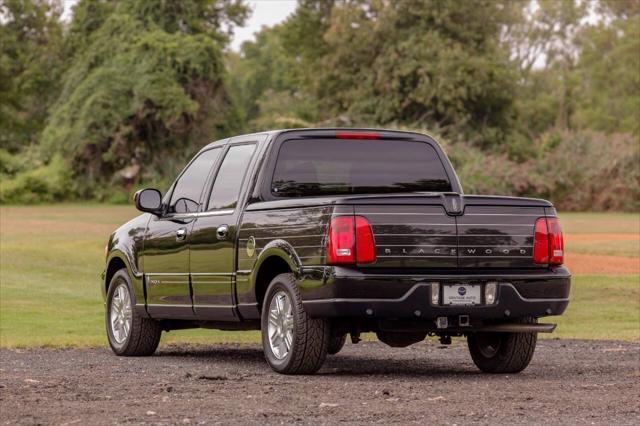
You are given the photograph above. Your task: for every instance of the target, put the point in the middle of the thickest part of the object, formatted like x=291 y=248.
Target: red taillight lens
x=341 y=247
x=548 y=244
x=556 y=242
x=365 y=246
x=357 y=135
x=350 y=240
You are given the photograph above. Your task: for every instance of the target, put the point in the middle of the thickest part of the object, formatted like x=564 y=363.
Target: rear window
x=338 y=166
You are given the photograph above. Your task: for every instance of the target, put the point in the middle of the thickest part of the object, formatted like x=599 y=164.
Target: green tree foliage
x=30 y=66
x=147 y=83
x=608 y=75
x=532 y=97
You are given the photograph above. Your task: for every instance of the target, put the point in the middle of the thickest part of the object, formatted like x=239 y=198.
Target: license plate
x=461 y=294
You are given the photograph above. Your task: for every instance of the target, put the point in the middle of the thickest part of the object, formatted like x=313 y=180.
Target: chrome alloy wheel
x=280 y=328
x=120 y=316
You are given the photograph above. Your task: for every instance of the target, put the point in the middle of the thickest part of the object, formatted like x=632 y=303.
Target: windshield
x=349 y=166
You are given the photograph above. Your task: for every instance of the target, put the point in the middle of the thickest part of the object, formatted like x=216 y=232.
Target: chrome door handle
x=181 y=234
x=222 y=232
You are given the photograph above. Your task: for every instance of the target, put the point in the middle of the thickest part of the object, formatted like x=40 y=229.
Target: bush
x=47 y=183
x=577 y=171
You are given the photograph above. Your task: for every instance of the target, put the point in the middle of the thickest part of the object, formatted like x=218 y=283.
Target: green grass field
x=51 y=258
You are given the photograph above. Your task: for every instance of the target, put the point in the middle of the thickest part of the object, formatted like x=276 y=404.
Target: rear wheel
x=129 y=333
x=503 y=352
x=336 y=343
x=293 y=342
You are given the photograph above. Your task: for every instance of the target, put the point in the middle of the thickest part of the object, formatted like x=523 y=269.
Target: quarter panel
x=302 y=229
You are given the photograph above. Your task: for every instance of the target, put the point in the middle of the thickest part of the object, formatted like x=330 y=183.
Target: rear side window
x=226 y=189
x=335 y=167
x=186 y=194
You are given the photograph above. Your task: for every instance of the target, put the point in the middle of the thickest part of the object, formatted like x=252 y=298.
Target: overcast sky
x=265 y=12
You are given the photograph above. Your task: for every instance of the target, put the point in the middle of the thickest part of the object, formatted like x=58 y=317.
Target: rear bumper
x=520 y=294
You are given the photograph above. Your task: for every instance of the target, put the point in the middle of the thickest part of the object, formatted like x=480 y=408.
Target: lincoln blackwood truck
x=313 y=235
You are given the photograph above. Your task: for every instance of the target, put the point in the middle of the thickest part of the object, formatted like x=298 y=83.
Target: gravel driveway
x=568 y=382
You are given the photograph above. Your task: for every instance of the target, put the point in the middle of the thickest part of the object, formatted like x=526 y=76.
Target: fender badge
x=251 y=246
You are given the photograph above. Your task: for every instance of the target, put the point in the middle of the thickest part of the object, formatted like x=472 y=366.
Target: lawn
x=51 y=258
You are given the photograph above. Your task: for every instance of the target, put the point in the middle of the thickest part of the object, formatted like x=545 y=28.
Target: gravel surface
x=568 y=382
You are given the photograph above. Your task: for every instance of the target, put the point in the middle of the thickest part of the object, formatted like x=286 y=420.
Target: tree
x=30 y=65
x=608 y=72
x=147 y=85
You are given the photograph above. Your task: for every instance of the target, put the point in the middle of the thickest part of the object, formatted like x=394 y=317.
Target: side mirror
x=148 y=200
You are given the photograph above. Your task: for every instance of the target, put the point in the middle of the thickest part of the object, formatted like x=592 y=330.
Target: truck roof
x=321 y=132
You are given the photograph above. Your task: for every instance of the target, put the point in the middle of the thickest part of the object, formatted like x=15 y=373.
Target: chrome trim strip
x=414 y=235
x=497 y=257
x=177 y=274
x=278 y=237
x=494 y=235
x=268 y=228
x=504 y=214
x=404 y=213
x=213 y=273
x=494 y=224
x=418 y=245
x=494 y=245
x=420 y=224
x=168 y=305
x=192 y=274
x=203 y=214
x=417 y=257
x=213 y=306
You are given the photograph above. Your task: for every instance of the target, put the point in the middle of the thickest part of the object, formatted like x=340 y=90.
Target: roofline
x=275 y=132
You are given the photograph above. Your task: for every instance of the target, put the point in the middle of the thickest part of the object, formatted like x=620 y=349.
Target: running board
x=516 y=328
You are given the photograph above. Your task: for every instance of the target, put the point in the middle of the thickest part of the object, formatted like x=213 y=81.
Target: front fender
x=126 y=245
x=136 y=276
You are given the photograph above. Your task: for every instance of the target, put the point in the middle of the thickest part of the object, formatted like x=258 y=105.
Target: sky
x=265 y=13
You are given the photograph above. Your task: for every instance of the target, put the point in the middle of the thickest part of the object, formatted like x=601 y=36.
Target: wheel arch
x=118 y=260
x=277 y=257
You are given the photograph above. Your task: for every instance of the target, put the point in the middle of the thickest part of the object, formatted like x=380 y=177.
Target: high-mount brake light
x=357 y=135
x=350 y=241
x=548 y=244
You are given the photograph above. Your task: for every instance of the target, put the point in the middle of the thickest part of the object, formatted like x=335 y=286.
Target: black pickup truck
x=311 y=235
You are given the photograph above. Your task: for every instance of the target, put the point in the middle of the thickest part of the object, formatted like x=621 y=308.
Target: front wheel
x=129 y=333
x=503 y=352
x=293 y=342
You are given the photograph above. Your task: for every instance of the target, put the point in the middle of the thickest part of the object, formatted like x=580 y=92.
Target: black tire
x=503 y=352
x=336 y=343
x=144 y=333
x=310 y=336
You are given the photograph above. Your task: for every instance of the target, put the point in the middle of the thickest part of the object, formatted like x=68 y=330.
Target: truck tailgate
x=414 y=232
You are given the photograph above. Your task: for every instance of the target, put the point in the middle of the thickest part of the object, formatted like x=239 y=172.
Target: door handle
x=181 y=234
x=222 y=232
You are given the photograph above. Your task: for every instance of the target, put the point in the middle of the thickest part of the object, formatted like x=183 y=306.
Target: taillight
x=548 y=244
x=365 y=246
x=556 y=242
x=349 y=241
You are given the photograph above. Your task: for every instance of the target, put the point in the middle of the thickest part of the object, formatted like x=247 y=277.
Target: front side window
x=337 y=166
x=226 y=189
x=188 y=188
